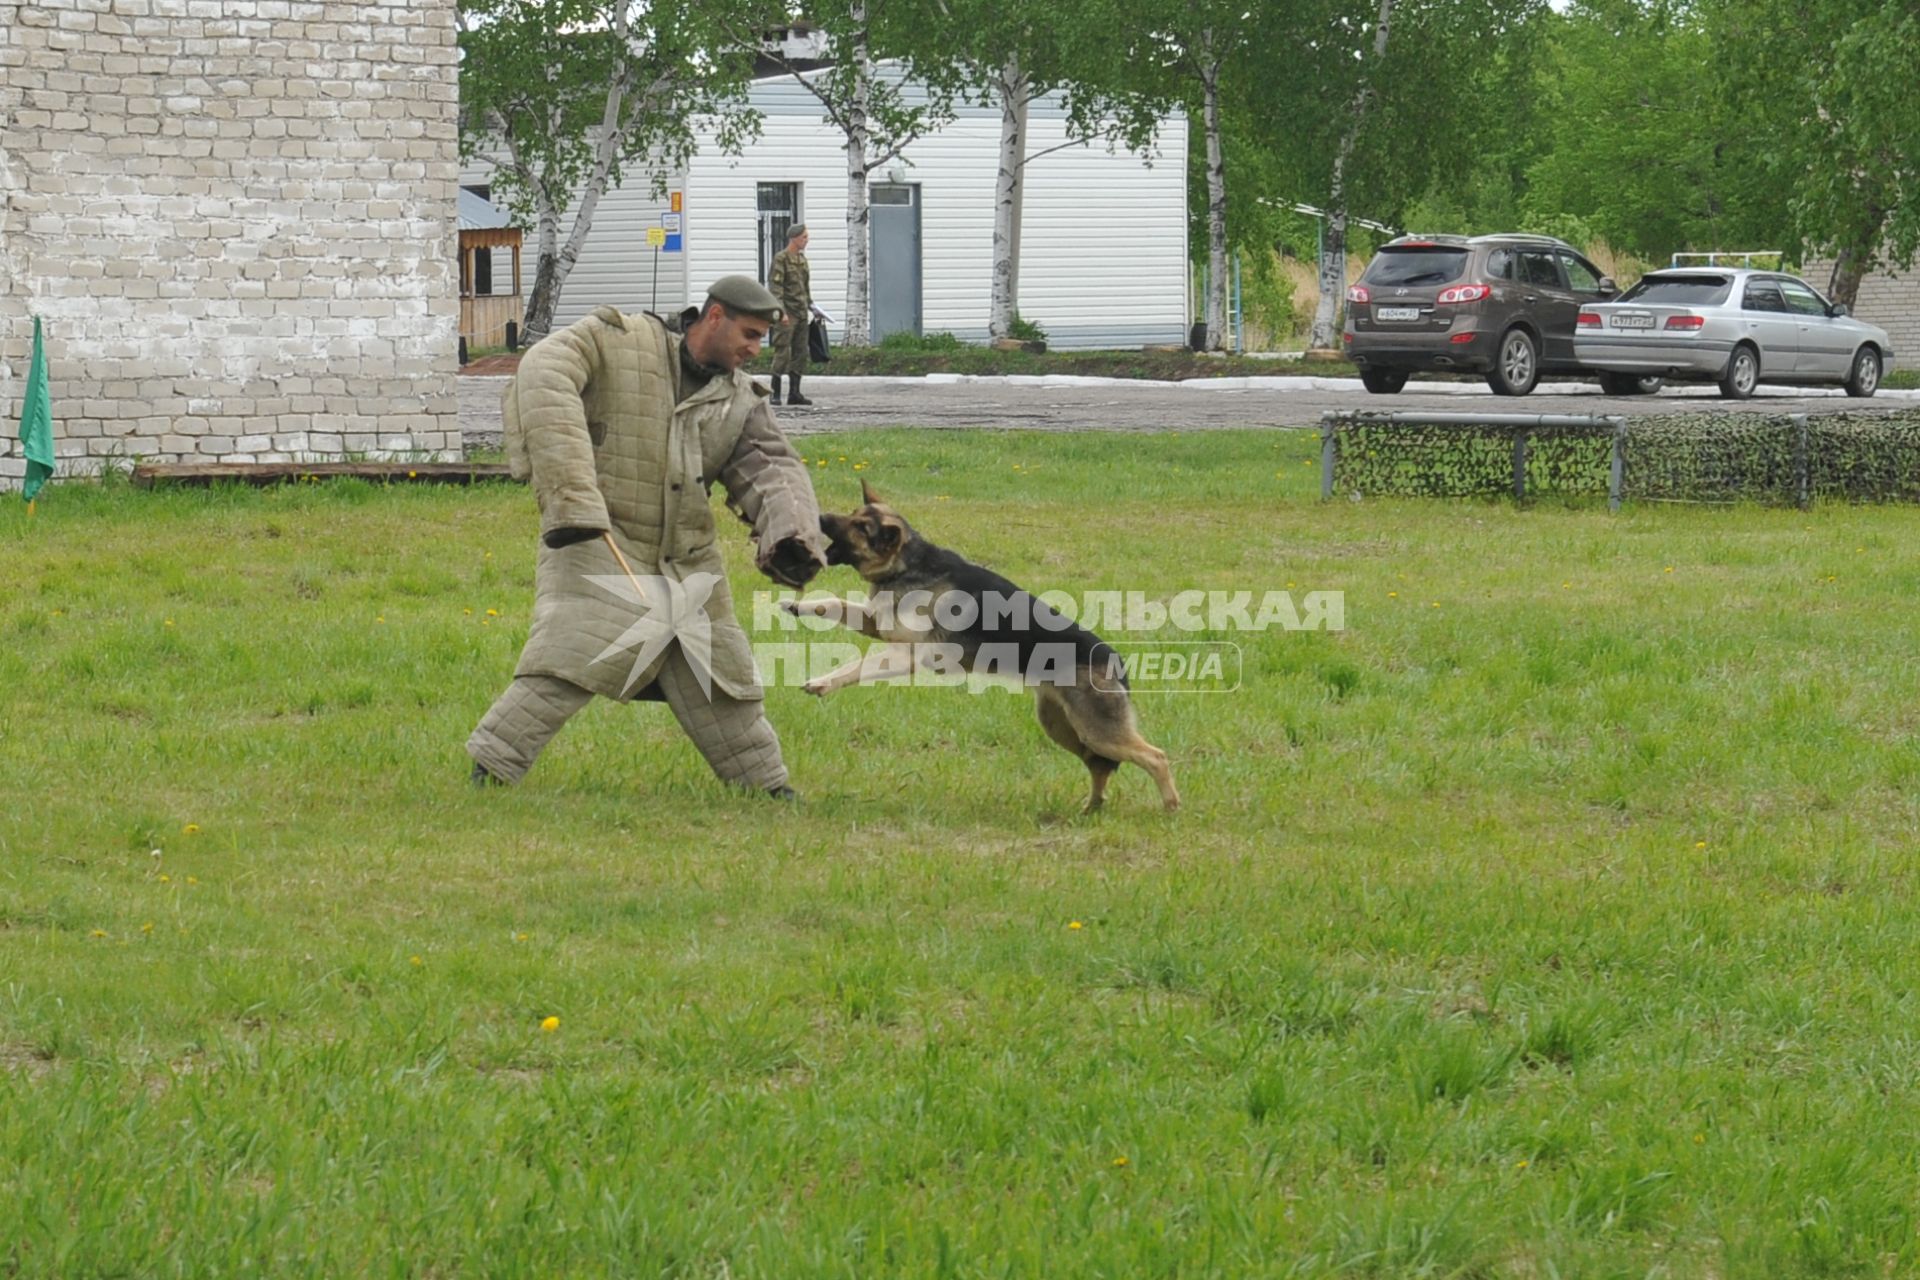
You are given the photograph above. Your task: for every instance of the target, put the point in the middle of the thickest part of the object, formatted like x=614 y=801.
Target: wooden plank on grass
x=148 y=474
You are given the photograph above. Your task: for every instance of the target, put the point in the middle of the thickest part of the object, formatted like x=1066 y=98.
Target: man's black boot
x=784 y=792
x=796 y=397
x=481 y=778
x=776 y=388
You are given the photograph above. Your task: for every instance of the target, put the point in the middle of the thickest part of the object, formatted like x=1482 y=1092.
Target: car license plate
x=1633 y=322
x=1396 y=313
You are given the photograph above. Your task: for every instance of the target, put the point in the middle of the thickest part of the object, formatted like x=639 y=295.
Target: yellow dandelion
x=379 y=619
x=166 y=879
x=191 y=829
x=493 y=613
x=843 y=457
x=1669 y=568
x=147 y=927
x=1434 y=605
x=468 y=612
x=859 y=466
x=193 y=879
x=1393 y=595
x=520 y=937
x=1699 y=844
x=549 y=1023
x=1520 y=1164
x=168 y=622
x=489 y=555
x=413 y=475
x=99 y=933
x=1120 y=1162
x=417 y=960
x=1699 y=1138
x=1075 y=924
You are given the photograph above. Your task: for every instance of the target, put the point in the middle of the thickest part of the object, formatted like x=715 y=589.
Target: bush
x=1025 y=330
x=921 y=343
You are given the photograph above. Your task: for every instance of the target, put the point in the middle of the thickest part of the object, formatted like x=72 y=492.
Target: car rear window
x=1423 y=265
x=1680 y=291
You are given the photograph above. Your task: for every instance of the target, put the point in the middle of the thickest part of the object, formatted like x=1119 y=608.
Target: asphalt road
x=1086 y=404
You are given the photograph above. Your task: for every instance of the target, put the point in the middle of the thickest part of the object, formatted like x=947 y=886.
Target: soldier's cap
x=745 y=294
x=796 y=230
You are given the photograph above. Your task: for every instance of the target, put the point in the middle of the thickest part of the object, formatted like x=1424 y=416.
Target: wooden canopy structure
x=484 y=316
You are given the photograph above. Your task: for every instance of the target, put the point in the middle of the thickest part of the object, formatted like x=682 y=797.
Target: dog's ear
x=867 y=495
x=886 y=536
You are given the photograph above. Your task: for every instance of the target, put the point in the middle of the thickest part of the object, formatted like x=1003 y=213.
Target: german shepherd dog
x=983 y=621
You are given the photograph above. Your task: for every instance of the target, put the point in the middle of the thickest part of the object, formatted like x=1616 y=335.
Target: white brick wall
x=235 y=219
x=1887 y=298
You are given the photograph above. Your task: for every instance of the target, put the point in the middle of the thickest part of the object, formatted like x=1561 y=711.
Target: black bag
x=817 y=342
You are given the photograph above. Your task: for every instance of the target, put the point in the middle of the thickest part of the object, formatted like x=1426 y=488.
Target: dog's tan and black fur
x=1087 y=709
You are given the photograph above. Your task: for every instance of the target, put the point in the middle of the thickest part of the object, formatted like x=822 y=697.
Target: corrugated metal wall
x=1103 y=261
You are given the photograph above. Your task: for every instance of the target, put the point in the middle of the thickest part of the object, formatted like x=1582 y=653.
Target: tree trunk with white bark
x=1012 y=87
x=1333 y=247
x=1217 y=268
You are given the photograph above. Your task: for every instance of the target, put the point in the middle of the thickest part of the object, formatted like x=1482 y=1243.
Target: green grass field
x=1555 y=919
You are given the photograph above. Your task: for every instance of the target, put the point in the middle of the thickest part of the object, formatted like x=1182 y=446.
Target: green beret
x=744 y=293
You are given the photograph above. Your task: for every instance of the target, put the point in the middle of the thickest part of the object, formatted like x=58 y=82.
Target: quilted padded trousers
x=736 y=737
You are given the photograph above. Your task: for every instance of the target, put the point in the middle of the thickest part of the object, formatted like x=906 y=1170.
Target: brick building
x=236 y=219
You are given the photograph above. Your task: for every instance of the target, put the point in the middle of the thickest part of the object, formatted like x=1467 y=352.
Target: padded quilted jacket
x=590 y=419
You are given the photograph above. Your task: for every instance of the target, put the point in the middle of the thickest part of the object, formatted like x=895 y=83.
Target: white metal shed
x=1104 y=244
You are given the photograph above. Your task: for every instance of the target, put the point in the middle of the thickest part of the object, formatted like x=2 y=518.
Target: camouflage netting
x=1454 y=461
x=1705 y=457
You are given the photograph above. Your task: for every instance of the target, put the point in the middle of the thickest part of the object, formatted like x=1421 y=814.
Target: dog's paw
x=818 y=688
x=790 y=606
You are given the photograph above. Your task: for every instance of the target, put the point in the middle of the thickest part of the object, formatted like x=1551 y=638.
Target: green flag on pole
x=36 y=421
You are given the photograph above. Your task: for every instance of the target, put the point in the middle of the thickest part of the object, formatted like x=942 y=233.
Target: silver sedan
x=1736 y=327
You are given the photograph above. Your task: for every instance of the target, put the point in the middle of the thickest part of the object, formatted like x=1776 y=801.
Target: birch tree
x=1009 y=56
x=1189 y=50
x=879 y=112
x=564 y=97
x=1333 y=246
x=1839 y=118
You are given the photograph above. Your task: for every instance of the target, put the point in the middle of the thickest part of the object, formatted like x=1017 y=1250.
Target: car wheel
x=1384 y=382
x=1865 y=378
x=1742 y=375
x=1516 y=368
x=1627 y=384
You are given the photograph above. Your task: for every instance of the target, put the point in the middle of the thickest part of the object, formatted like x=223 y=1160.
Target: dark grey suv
x=1504 y=306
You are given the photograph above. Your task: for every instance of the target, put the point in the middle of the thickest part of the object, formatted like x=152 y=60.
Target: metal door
x=894 y=243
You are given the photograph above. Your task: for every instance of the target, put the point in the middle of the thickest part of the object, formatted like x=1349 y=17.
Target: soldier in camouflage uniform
x=791 y=281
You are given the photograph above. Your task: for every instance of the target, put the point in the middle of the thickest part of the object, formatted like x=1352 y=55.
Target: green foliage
x=1266 y=296
x=902 y=342
x=1025 y=330
x=1641 y=147
x=1837 y=125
